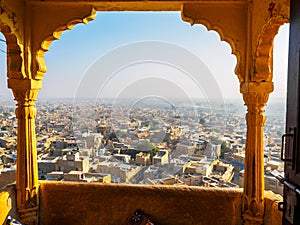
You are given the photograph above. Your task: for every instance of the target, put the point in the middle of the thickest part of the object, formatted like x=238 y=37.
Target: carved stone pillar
x=255 y=96
x=25 y=93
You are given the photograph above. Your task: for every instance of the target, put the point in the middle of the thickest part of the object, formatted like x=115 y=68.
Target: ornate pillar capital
x=256 y=93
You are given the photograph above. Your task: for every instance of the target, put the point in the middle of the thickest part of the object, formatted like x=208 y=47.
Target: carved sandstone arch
x=222 y=36
x=40 y=66
x=233 y=35
x=264 y=50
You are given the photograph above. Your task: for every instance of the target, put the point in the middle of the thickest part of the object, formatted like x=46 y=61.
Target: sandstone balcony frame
x=249 y=26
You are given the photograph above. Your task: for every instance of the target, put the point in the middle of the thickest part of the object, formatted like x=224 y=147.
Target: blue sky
x=70 y=58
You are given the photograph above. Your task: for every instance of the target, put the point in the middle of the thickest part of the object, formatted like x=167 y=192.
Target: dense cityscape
x=150 y=142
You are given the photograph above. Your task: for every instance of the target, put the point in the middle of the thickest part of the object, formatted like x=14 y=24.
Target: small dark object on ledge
x=139 y=218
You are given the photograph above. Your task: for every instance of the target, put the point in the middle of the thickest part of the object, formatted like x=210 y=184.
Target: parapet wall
x=272 y=215
x=82 y=203
x=77 y=203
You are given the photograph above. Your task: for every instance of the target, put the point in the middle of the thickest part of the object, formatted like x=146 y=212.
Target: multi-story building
x=120 y=172
x=162 y=157
x=73 y=162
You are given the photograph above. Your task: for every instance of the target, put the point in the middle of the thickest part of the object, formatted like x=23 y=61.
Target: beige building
x=7 y=176
x=73 y=162
x=272 y=184
x=192 y=180
x=143 y=132
x=87 y=177
x=151 y=172
x=120 y=172
x=122 y=157
x=46 y=166
x=183 y=150
x=92 y=140
x=203 y=167
x=270 y=181
x=64 y=143
x=169 y=181
x=55 y=175
x=198 y=168
x=161 y=157
x=236 y=159
x=275 y=165
x=224 y=171
x=99 y=177
x=143 y=159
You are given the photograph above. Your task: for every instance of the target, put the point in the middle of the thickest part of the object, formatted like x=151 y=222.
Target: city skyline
x=153 y=142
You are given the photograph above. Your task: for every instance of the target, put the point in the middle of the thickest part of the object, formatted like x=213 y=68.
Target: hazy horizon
x=116 y=51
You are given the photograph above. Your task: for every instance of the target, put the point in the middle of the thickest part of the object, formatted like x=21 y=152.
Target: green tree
x=224 y=149
x=145 y=146
x=120 y=134
x=202 y=121
x=113 y=137
x=215 y=140
x=4 y=128
x=153 y=152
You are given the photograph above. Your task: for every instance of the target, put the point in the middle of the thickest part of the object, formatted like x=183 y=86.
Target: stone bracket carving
x=264 y=51
x=276 y=13
x=14 y=56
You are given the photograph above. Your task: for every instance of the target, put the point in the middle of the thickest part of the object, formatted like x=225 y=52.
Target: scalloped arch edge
x=45 y=45
x=222 y=36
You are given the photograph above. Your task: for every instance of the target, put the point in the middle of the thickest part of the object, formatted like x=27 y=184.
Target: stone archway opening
x=253 y=21
x=208 y=54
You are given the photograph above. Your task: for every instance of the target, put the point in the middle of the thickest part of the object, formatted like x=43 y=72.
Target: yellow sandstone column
x=25 y=93
x=255 y=96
